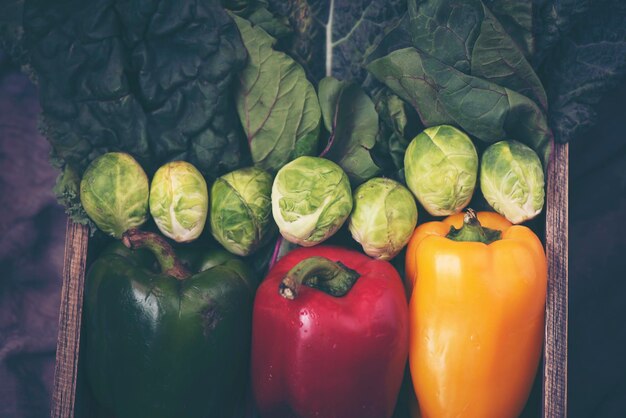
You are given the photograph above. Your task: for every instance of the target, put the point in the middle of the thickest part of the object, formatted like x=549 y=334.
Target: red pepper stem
x=331 y=277
x=162 y=250
x=473 y=231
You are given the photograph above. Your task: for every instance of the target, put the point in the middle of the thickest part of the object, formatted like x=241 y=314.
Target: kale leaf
x=553 y=19
x=589 y=60
x=150 y=78
x=332 y=36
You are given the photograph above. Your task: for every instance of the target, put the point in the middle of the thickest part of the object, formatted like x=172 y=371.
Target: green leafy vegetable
x=393 y=138
x=256 y=11
x=468 y=37
x=277 y=105
x=553 y=20
x=517 y=19
x=444 y=95
x=148 y=79
x=351 y=118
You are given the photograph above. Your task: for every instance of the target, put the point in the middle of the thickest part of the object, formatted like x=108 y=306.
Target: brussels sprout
x=511 y=179
x=241 y=210
x=311 y=199
x=441 y=166
x=383 y=218
x=114 y=193
x=179 y=201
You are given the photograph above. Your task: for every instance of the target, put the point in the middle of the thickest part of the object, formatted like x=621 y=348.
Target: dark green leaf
x=149 y=78
x=256 y=12
x=553 y=20
x=441 y=94
x=11 y=28
x=351 y=118
x=277 y=27
x=468 y=37
x=332 y=36
x=517 y=19
x=392 y=140
x=276 y=103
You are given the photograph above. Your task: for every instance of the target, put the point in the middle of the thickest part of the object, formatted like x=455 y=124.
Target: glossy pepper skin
x=159 y=346
x=327 y=356
x=476 y=318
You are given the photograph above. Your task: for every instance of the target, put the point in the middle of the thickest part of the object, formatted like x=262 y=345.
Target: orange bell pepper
x=476 y=315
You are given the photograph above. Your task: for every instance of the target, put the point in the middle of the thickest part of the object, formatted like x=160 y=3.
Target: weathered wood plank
x=68 y=343
x=555 y=343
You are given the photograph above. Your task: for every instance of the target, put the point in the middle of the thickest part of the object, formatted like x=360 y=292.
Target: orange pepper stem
x=331 y=277
x=162 y=250
x=473 y=231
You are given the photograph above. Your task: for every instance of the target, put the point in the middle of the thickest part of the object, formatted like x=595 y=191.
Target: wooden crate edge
x=70 y=314
x=555 y=342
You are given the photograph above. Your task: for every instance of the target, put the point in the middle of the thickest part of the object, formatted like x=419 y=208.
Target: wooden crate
x=554 y=366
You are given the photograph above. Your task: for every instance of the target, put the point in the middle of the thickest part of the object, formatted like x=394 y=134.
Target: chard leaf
x=276 y=103
x=351 y=118
x=332 y=36
x=444 y=95
x=589 y=61
x=468 y=37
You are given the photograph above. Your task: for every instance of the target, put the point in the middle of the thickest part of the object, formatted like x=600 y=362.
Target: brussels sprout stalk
x=473 y=231
x=331 y=277
x=163 y=252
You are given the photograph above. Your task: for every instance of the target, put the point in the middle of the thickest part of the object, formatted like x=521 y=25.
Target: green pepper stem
x=473 y=231
x=162 y=250
x=331 y=277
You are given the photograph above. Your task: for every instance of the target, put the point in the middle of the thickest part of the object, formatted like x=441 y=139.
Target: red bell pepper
x=330 y=336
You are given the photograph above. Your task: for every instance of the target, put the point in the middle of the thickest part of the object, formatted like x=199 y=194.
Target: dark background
x=32 y=230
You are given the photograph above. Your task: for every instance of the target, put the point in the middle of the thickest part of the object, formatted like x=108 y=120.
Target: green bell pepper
x=170 y=343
